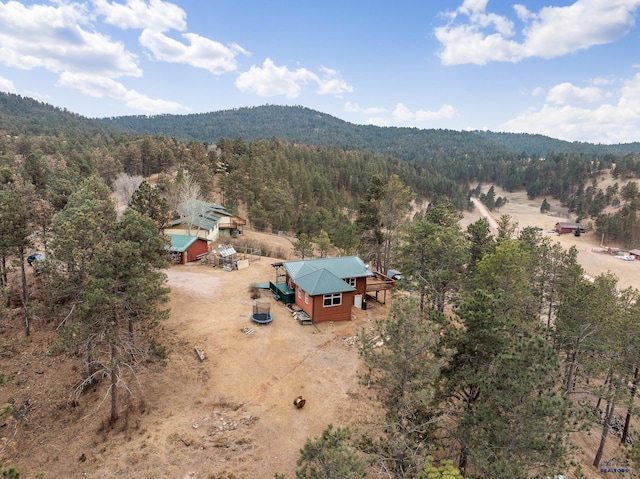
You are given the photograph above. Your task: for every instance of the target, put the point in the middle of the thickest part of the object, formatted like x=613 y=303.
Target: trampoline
x=261 y=313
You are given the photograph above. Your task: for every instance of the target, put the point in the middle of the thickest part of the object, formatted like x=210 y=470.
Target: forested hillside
x=303 y=125
x=26 y=116
x=540 y=145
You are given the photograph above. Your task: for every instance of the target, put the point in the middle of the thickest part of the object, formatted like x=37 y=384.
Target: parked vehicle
x=34 y=258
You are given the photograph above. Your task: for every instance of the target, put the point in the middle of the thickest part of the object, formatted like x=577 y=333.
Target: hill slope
x=26 y=116
x=303 y=125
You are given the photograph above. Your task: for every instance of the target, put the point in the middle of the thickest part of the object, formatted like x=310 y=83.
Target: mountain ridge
x=24 y=115
x=304 y=125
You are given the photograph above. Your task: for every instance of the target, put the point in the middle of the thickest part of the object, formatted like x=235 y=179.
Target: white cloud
x=332 y=83
x=351 y=107
x=377 y=121
x=7 y=85
x=64 y=38
x=523 y=13
x=614 y=122
x=200 y=52
x=480 y=37
x=601 y=81
x=374 y=110
x=566 y=93
x=355 y=108
x=53 y=38
x=156 y=15
x=99 y=86
x=139 y=101
x=402 y=114
x=272 y=80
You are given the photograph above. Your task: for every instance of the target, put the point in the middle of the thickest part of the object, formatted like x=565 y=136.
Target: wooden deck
x=381 y=282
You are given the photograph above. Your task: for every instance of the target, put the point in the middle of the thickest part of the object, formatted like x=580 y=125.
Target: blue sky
x=569 y=69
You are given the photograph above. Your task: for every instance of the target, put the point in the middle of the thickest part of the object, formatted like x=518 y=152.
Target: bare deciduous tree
x=190 y=196
x=124 y=186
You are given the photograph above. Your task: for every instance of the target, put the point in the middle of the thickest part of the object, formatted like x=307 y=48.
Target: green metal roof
x=342 y=267
x=180 y=243
x=322 y=282
x=201 y=208
x=204 y=222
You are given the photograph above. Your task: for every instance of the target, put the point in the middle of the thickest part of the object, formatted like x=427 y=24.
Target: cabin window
x=306 y=298
x=299 y=293
x=332 y=299
x=351 y=282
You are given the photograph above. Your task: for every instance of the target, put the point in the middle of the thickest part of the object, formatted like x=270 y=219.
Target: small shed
x=564 y=228
x=184 y=249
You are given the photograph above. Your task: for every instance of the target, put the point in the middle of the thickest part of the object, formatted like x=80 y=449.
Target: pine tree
x=16 y=227
x=329 y=457
x=146 y=200
x=403 y=372
x=125 y=290
x=545 y=206
x=434 y=254
x=303 y=246
x=445 y=470
x=323 y=243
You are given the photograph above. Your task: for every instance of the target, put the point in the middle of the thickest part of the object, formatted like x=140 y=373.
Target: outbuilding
x=184 y=249
x=563 y=228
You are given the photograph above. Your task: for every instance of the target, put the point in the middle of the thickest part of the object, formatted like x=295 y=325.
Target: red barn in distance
x=563 y=228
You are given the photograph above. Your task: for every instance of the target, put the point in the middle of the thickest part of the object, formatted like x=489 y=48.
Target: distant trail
x=486 y=214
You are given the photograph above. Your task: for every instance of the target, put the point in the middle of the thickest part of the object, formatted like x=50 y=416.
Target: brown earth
x=591 y=254
x=231 y=415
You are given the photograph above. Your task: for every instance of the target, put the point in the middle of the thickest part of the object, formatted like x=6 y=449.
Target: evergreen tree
x=489 y=199
x=500 y=329
x=369 y=222
x=480 y=240
x=394 y=211
x=125 y=289
x=329 y=457
x=445 y=470
x=545 y=206
x=506 y=227
x=16 y=227
x=403 y=372
x=323 y=244
x=518 y=426
x=146 y=200
x=77 y=231
x=433 y=254
x=303 y=247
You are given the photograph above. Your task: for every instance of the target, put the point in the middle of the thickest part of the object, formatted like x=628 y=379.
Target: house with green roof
x=325 y=288
x=205 y=220
x=184 y=249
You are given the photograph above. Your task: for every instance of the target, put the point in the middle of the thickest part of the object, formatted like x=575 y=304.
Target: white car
x=627 y=257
